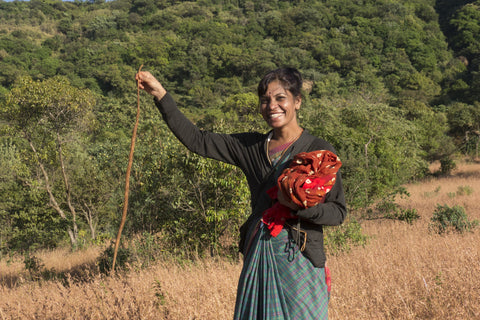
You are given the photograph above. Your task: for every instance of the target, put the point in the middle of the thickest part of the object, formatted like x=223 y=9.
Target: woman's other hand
x=147 y=82
x=285 y=202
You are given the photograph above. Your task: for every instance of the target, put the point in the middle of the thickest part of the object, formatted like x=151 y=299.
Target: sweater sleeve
x=217 y=146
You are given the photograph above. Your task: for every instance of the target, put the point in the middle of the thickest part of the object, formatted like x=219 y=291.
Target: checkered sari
x=278 y=282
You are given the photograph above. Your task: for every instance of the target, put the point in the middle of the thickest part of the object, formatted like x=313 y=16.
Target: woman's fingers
x=147 y=82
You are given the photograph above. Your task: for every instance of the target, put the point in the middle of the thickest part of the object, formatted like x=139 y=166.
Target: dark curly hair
x=290 y=78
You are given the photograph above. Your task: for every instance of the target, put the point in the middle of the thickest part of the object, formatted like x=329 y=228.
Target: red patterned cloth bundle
x=305 y=183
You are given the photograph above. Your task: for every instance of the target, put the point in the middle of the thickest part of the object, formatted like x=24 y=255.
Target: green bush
x=387 y=208
x=407 y=215
x=464 y=190
x=447 y=165
x=147 y=248
x=454 y=218
x=105 y=261
x=342 y=238
x=36 y=268
x=33 y=264
x=429 y=194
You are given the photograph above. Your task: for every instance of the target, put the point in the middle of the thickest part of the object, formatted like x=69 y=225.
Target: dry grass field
x=404 y=272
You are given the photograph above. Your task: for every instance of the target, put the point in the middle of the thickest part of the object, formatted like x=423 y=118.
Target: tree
x=464 y=32
x=48 y=115
x=464 y=121
x=379 y=149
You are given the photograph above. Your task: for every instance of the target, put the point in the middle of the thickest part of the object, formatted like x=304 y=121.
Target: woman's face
x=279 y=107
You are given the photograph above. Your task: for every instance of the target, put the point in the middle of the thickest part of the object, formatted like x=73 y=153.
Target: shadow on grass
x=473 y=174
x=85 y=272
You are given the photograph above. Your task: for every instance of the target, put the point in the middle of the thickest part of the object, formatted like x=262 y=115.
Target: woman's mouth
x=274 y=115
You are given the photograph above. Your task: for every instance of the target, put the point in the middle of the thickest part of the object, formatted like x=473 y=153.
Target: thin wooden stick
x=127 y=179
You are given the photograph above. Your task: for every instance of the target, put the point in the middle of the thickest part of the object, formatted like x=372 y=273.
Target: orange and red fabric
x=307 y=180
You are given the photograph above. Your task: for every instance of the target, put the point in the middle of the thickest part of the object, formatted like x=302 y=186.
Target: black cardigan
x=248 y=151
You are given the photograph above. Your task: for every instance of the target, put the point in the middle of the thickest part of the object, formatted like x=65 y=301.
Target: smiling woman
x=280 y=99
x=283 y=275
x=279 y=107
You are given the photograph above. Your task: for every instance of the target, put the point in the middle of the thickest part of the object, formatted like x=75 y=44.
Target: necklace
x=275 y=157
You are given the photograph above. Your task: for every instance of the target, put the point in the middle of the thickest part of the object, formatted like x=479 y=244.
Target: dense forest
x=393 y=85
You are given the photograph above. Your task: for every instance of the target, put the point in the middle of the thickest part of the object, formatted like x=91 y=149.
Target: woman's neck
x=282 y=136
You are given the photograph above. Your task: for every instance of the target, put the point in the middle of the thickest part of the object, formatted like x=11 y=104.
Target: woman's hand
x=147 y=82
x=286 y=202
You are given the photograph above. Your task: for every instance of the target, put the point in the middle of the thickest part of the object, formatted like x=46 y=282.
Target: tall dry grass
x=404 y=272
x=407 y=272
x=204 y=290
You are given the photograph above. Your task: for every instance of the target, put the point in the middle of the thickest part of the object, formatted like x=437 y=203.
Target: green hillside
x=393 y=85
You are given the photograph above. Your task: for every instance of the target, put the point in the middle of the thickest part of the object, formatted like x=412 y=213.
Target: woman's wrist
x=159 y=94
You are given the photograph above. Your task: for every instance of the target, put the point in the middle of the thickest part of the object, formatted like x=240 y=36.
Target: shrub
x=147 y=248
x=340 y=239
x=454 y=218
x=461 y=191
x=105 y=261
x=464 y=190
x=447 y=165
x=429 y=194
x=407 y=215
x=33 y=264
x=389 y=209
x=36 y=268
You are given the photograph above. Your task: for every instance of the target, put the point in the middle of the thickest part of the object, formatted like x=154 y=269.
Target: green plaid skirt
x=278 y=282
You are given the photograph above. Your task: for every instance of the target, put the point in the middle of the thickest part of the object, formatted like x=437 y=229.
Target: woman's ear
x=298 y=102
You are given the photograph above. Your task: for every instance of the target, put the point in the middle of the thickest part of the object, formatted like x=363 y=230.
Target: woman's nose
x=270 y=104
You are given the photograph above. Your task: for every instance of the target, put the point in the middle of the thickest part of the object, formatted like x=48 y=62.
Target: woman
x=283 y=277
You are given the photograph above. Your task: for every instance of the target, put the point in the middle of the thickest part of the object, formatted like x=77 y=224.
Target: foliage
x=105 y=260
x=464 y=190
x=389 y=209
x=378 y=148
x=407 y=215
x=33 y=265
x=147 y=248
x=466 y=42
x=447 y=165
x=393 y=86
x=26 y=219
x=208 y=210
x=43 y=115
x=464 y=121
x=454 y=218
x=342 y=238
